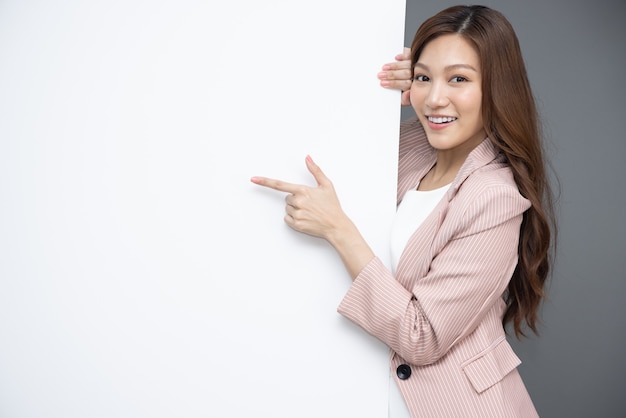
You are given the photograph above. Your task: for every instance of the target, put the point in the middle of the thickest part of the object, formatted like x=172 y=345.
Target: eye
x=458 y=79
x=421 y=77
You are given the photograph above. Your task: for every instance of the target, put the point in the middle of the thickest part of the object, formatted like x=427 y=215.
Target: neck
x=450 y=161
x=447 y=166
x=442 y=173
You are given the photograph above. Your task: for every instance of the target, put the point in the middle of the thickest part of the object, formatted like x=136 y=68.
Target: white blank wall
x=141 y=273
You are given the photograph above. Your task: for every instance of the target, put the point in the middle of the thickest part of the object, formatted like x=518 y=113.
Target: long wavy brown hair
x=511 y=121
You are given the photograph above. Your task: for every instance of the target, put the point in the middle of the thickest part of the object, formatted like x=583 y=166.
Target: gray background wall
x=576 y=60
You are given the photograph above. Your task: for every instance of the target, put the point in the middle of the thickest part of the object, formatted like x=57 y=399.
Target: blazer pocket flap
x=491 y=367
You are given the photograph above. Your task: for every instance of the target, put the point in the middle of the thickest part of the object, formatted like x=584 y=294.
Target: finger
x=406 y=98
x=396 y=66
x=402 y=62
x=314 y=169
x=290 y=200
x=291 y=216
x=406 y=54
x=399 y=74
x=290 y=211
x=395 y=70
x=401 y=59
x=402 y=85
x=288 y=220
x=279 y=185
x=397 y=79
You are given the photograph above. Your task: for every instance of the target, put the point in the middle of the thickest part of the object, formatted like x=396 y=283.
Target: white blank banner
x=141 y=273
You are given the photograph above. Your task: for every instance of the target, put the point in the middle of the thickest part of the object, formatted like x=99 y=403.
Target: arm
x=464 y=280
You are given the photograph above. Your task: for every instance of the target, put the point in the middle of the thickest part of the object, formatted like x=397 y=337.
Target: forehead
x=449 y=50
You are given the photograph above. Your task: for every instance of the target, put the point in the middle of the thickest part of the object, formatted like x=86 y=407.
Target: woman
x=470 y=242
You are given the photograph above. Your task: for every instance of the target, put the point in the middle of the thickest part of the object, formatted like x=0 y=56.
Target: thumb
x=314 y=169
x=405 y=99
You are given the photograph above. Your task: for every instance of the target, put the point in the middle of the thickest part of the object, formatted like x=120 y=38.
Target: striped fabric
x=442 y=312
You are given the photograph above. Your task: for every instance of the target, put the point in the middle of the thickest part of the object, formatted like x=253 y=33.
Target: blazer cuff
x=376 y=301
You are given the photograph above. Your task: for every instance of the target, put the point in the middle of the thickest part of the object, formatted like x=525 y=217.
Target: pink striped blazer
x=441 y=314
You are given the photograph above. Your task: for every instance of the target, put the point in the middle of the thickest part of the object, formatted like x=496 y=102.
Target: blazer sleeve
x=465 y=279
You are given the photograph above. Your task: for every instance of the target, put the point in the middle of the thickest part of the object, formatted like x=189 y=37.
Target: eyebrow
x=449 y=67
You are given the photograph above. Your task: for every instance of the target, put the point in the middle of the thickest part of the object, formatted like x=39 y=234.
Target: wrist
x=351 y=247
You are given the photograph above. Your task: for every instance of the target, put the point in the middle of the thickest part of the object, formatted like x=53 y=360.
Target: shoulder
x=411 y=130
x=496 y=174
x=413 y=136
x=411 y=125
x=489 y=197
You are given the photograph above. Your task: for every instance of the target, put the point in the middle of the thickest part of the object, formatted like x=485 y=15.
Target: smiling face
x=446 y=94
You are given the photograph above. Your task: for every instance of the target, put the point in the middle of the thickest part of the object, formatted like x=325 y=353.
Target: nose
x=437 y=96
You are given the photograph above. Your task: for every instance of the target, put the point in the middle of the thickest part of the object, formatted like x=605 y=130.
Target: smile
x=443 y=119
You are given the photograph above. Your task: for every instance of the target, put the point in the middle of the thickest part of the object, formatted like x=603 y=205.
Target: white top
x=415 y=206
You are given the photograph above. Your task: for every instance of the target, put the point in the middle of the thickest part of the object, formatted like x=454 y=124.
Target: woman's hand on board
x=397 y=75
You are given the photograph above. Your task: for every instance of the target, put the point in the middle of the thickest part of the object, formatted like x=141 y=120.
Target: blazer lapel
x=480 y=156
x=415 y=260
x=410 y=174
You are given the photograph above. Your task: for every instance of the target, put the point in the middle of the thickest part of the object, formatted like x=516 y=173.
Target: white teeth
x=444 y=119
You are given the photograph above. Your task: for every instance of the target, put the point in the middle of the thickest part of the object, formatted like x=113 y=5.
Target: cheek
x=471 y=100
x=417 y=98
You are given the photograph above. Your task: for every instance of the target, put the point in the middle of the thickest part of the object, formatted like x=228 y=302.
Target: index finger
x=398 y=65
x=403 y=61
x=406 y=55
x=281 y=186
